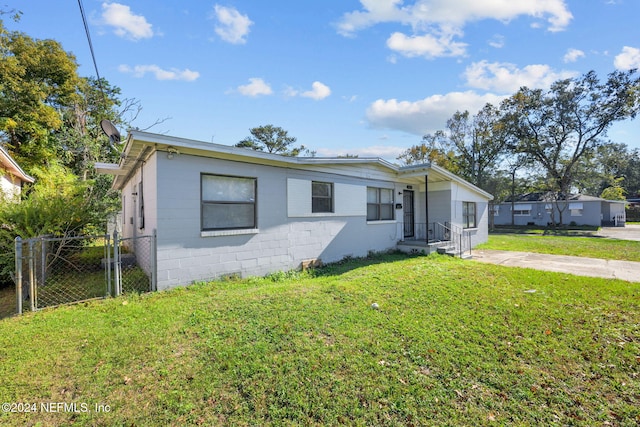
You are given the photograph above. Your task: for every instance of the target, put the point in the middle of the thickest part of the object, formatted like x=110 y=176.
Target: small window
x=228 y=202
x=522 y=210
x=321 y=197
x=576 y=209
x=469 y=214
x=379 y=204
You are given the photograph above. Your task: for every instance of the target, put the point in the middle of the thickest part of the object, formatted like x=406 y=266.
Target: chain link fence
x=53 y=271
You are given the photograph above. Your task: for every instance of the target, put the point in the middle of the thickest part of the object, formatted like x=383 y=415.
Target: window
x=522 y=210
x=379 y=204
x=575 y=209
x=468 y=214
x=228 y=202
x=321 y=196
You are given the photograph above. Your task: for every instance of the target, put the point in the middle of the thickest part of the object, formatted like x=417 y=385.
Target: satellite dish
x=110 y=130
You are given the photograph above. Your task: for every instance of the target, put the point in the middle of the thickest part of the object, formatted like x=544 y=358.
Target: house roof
x=9 y=164
x=139 y=146
x=547 y=197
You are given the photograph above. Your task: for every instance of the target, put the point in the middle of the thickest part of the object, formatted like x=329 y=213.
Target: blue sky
x=366 y=77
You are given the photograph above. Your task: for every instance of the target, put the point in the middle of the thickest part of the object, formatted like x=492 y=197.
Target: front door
x=408 y=217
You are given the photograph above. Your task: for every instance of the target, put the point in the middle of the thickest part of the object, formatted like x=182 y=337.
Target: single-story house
x=12 y=177
x=219 y=210
x=541 y=209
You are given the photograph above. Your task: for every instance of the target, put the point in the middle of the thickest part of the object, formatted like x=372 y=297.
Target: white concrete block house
x=12 y=177
x=221 y=210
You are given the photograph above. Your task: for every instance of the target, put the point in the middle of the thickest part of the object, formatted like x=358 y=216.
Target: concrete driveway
x=628 y=232
x=580 y=266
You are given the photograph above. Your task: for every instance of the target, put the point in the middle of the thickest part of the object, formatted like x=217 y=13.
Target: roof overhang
x=12 y=166
x=141 y=145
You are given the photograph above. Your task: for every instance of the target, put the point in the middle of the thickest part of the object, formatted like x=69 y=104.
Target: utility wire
x=93 y=55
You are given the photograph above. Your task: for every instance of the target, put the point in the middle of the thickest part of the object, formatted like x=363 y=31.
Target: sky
x=367 y=77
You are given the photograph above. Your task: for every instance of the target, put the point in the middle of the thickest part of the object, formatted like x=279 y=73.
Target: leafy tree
x=479 y=142
x=614 y=192
x=430 y=150
x=561 y=126
x=37 y=77
x=272 y=139
x=80 y=141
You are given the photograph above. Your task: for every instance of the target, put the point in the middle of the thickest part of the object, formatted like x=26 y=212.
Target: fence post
x=116 y=263
x=154 y=261
x=18 y=243
x=32 y=285
x=107 y=242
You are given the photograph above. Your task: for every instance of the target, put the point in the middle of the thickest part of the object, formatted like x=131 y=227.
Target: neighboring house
x=12 y=177
x=540 y=209
x=220 y=210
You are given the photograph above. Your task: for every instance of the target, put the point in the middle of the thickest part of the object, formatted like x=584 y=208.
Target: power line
x=93 y=55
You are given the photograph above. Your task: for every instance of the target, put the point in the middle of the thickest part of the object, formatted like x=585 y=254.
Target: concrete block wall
x=280 y=242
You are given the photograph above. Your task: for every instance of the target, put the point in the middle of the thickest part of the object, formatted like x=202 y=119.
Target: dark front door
x=409 y=217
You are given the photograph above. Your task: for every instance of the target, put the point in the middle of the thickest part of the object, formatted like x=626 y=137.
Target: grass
x=453 y=343
x=593 y=247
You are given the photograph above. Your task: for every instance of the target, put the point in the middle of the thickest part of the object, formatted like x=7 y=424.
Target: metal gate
x=51 y=271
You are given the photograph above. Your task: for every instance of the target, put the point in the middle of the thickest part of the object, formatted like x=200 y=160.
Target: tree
x=37 y=77
x=615 y=191
x=272 y=139
x=479 y=142
x=431 y=150
x=561 y=126
x=80 y=141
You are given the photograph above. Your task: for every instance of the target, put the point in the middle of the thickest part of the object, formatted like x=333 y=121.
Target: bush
x=58 y=205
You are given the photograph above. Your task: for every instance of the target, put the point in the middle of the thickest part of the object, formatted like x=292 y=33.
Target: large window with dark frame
x=321 y=197
x=228 y=202
x=469 y=214
x=379 y=204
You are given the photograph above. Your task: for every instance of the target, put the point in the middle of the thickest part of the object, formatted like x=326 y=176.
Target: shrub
x=58 y=205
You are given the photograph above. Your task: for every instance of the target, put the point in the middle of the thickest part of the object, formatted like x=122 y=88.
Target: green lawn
x=593 y=247
x=453 y=343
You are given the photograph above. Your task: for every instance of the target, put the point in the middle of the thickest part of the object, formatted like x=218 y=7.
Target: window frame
x=466 y=215
x=204 y=202
x=379 y=204
x=331 y=197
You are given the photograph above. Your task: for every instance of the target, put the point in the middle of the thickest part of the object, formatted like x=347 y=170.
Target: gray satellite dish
x=110 y=130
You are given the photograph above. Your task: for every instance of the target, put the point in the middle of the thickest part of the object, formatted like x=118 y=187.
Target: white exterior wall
x=460 y=194
x=287 y=232
x=9 y=185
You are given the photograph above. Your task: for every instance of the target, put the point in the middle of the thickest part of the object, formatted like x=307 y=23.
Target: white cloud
x=427 y=45
x=453 y=13
x=425 y=115
x=435 y=23
x=497 y=41
x=507 y=78
x=629 y=58
x=318 y=91
x=126 y=23
x=160 y=74
x=573 y=55
x=232 y=26
x=256 y=87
